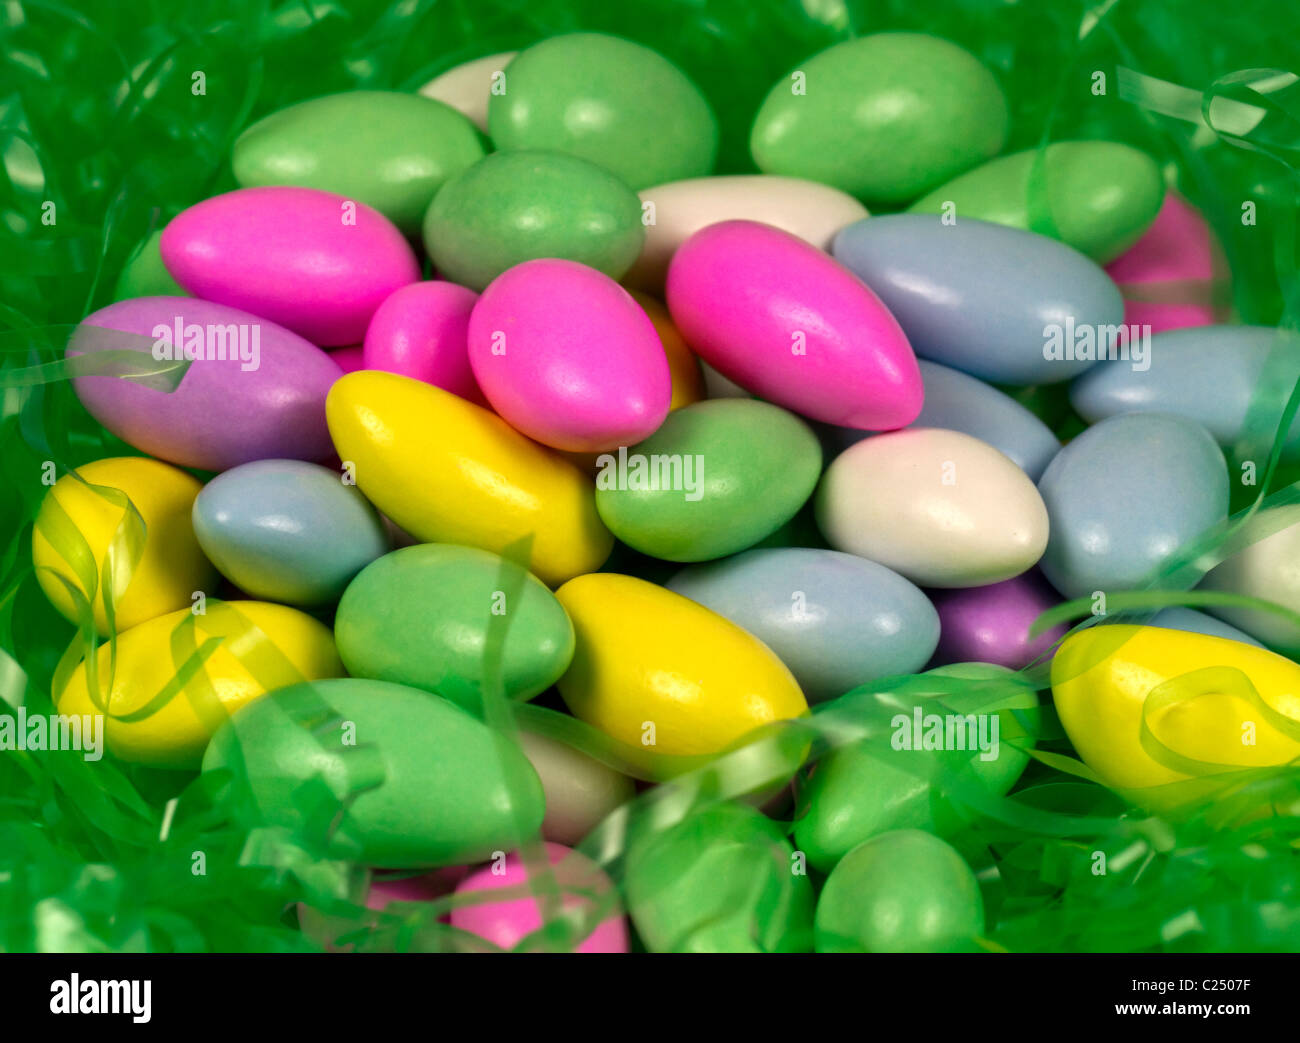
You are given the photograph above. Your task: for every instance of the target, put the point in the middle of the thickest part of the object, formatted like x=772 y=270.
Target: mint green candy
x=389 y=150
x=145 y=275
x=883 y=117
x=1102 y=195
x=715 y=479
x=512 y=207
x=432 y=785
x=905 y=891
x=420 y=616
x=610 y=101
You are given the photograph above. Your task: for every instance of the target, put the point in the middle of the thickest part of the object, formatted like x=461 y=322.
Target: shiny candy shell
x=990 y=624
x=422 y=331
x=780 y=318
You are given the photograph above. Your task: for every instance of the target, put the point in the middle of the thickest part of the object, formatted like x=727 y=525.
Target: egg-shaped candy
x=836 y=620
x=285 y=530
x=998 y=303
x=252 y=391
x=312 y=261
x=573 y=882
x=256 y=647
x=596 y=97
x=447 y=471
x=661 y=673
x=422 y=331
x=990 y=624
x=683 y=366
x=422 y=616
x=716 y=478
x=1265 y=569
x=904 y=891
x=519 y=206
x=1101 y=195
x=424 y=783
x=1124 y=496
x=398 y=150
x=468 y=86
x=884 y=117
x=780 y=318
x=568 y=358
x=580 y=790
x=83 y=515
x=723 y=879
x=145 y=275
x=677 y=210
x=940 y=507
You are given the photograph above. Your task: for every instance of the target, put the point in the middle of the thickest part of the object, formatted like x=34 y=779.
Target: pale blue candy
x=286 y=530
x=836 y=620
x=1178 y=618
x=1125 y=495
x=979 y=296
x=957 y=401
x=1207 y=374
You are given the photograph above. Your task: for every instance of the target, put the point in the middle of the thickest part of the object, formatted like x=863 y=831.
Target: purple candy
x=991 y=624
x=255 y=391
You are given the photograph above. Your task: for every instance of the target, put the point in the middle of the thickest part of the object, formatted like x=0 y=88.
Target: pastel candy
x=1209 y=374
x=314 y=262
x=422 y=331
x=171 y=566
x=576 y=884
x=939 y=507
x=716 y=478
x=812 y=211
x=836 y=620
x=580 y=790
x=1170 y=277
x=1125 y=495
x=285 y=530
x=261 y=647
x=1263 y=569
x=1101 y=195
x=991 y=624
x=519 y=206
x=981 y=297
x=222 y=413
x=683 y=366
x=884 y=117
x=447 y=471
x=450 y=790
x=468 y=86
x=1178 y=618
x=422 y=616
x=594 y=96
x=568 y=358
x=398 y=151
x=782 y=319
x=145 y=275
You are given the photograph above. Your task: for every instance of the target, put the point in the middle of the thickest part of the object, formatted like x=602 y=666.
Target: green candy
x=513 y=207
x=722 y=880
x=389 y=150
x=450 y=790
x=420 y=616
x=905 y=891
x=883 y=117
x=610 y=101
x=145 y=275
x=726 y=474
x=865 y=789
x=1102 y=195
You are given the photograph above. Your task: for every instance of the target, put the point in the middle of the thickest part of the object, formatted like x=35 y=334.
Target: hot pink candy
x=567 y=357
x=420 y=331
x=1167 y=276
x=314 y=262
x=787 y=322
x=349 y=359
x=508 y=922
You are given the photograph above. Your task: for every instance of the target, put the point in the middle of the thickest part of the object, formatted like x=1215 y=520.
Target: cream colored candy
x=468 y=86
x=580 y=790
x=940 y=507
x=1267 y=569
x=812 y=211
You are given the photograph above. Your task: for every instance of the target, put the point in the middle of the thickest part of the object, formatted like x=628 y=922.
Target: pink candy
x=420 y=332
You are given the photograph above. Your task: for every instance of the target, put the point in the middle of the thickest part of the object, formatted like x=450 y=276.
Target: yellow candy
x=240 y=669
x=171 y=567
x=683 y=366
x=448 y=471
x=1102 y=678
x=662 y=673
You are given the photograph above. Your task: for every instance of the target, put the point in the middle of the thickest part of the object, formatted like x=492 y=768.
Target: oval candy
x=145 y=275
x=1264 y=569
x=990 y=624
x=468 y=86
x=580 y=790
x=312 y=261
x=780 y=318
x=422 y=331
x=683 y=367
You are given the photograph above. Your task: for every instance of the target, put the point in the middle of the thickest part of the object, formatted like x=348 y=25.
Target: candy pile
x=606 y=554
